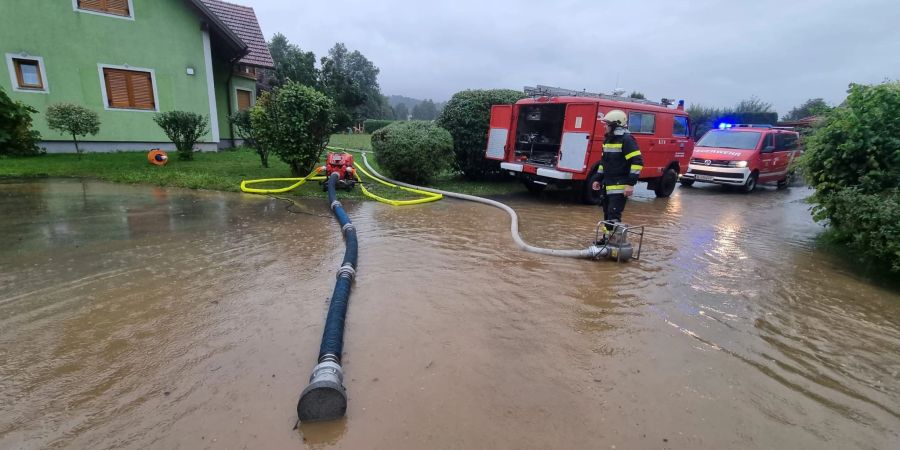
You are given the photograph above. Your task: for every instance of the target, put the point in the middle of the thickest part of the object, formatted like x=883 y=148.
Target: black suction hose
x=325 y=398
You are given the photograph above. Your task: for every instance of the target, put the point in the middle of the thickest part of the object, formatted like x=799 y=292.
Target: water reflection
x=134 y=317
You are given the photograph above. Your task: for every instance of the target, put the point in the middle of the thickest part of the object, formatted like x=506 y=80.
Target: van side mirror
x=768 y=149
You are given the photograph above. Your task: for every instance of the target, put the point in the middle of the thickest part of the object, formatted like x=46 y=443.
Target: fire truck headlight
x=739 y=163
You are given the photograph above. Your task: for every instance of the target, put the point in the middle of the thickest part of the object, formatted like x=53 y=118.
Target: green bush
x=413 y=151
x=16 y=136
x=373 y=125
x=853 y=161
x=467 y=117
x=184 y=129
x=74 y=120
x=243 y=127
x=295 y=123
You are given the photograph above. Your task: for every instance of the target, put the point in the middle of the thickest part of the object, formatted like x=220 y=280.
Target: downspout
x=229 y=85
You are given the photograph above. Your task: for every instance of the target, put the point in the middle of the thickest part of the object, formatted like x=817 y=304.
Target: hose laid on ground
x=590 y=252
x=428 y=196
x=325 y=398
x=299 y=182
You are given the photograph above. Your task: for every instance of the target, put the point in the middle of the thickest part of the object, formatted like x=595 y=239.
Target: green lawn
x=221 y=171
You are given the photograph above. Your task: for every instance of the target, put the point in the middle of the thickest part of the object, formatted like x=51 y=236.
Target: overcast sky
x=709 y=52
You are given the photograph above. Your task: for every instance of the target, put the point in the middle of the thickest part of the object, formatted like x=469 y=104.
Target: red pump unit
x=341 y=164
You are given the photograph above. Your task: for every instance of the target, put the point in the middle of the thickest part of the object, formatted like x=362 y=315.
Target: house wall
x=164 y=36
x=226 y=95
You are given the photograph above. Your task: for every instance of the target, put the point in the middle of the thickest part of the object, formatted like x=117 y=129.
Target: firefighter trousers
x=613 y=205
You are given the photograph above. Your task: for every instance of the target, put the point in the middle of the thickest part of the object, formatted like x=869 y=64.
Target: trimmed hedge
x=373 y=125
x=467 y=117
x=413 y=151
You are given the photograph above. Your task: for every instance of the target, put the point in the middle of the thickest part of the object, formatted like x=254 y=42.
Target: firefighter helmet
x=617 y=117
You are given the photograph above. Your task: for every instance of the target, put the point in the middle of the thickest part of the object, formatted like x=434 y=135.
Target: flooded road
x=141 y=317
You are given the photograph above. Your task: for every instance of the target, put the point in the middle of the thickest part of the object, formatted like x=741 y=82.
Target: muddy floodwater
x=143 y=317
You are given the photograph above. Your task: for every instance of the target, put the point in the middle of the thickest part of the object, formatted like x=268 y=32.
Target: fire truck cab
x=743 y=156
x=556 y=137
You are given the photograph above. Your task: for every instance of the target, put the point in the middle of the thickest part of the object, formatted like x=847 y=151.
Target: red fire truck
x=556 y=137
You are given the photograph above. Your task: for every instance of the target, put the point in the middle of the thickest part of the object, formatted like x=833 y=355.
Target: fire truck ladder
x=550 y=91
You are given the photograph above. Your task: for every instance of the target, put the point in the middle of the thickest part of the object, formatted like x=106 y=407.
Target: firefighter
x=620 y=168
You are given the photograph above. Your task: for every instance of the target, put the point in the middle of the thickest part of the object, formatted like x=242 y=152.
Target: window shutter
x=243 y=99
x=117 y=88
x=142 y=90
x=118 y=7
x=129 y=89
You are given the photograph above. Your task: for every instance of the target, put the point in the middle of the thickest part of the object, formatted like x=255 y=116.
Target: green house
x=127 y=60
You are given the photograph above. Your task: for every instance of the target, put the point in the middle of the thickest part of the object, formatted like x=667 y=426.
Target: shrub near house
x=853 y=162
x=16 y=136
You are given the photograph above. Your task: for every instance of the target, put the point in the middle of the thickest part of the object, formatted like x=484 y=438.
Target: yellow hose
x=428 y=196
x=299 y=182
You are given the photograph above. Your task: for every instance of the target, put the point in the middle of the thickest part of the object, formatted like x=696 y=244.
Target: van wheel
x=589 y=196
x=666 y=184
x=686 y=182
x=784 y=183
x=534 y=188
x=750 y=185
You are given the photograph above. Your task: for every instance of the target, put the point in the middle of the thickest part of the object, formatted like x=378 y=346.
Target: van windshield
x=744 y=140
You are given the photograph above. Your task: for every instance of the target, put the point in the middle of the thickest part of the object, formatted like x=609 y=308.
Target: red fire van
x=556 y=137
x=744 y=155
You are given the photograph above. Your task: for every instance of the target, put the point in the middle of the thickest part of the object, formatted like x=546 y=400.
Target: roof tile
x=242 y=21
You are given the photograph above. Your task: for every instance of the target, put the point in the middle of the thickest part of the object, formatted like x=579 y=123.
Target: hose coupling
x=335 y=204
x=326 y=397
x=347 y=226
x=347 y=271
x=598 y=252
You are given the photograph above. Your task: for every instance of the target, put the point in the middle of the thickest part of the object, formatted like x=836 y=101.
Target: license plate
x=705 y=177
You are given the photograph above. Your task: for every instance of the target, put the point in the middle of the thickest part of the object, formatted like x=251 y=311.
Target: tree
x=243 y=126
x=74 y=120
x=467 y=116
x=295 y=123
x=637 y=95
x=753 y=105
x=425 y=110
x=703 y=119
x=351 y=80
x=292 y=63
x=184 y=129
x=809 y=108
x=401 y=112
x=16 y=136
x=853 y=161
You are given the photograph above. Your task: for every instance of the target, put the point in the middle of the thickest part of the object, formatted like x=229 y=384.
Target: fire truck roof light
x=725 y=126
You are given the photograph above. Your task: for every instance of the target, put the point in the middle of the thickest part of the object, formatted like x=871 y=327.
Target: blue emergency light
x=725 y=126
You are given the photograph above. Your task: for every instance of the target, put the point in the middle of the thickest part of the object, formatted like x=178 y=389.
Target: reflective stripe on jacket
x=622 y=161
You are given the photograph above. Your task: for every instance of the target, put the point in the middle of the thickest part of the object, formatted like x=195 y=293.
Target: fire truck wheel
x=666 y=184
x=589 y=196
x=534 y=188
x=750 y=185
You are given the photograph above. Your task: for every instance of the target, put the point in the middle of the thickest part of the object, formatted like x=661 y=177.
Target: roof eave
x=231 y=39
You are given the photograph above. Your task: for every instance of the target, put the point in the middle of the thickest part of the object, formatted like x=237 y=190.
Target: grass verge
x=221 y=171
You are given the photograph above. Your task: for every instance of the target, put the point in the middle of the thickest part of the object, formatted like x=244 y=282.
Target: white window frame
x=152 y=73
x=252 y=97
x=98 y=13
x=14 y=80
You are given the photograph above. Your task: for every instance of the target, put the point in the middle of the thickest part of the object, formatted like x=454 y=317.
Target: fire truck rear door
x=501 y=119
x=576 y=138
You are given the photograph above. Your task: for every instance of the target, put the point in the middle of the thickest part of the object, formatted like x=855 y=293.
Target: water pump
x=342 y=165
x=615 y=244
